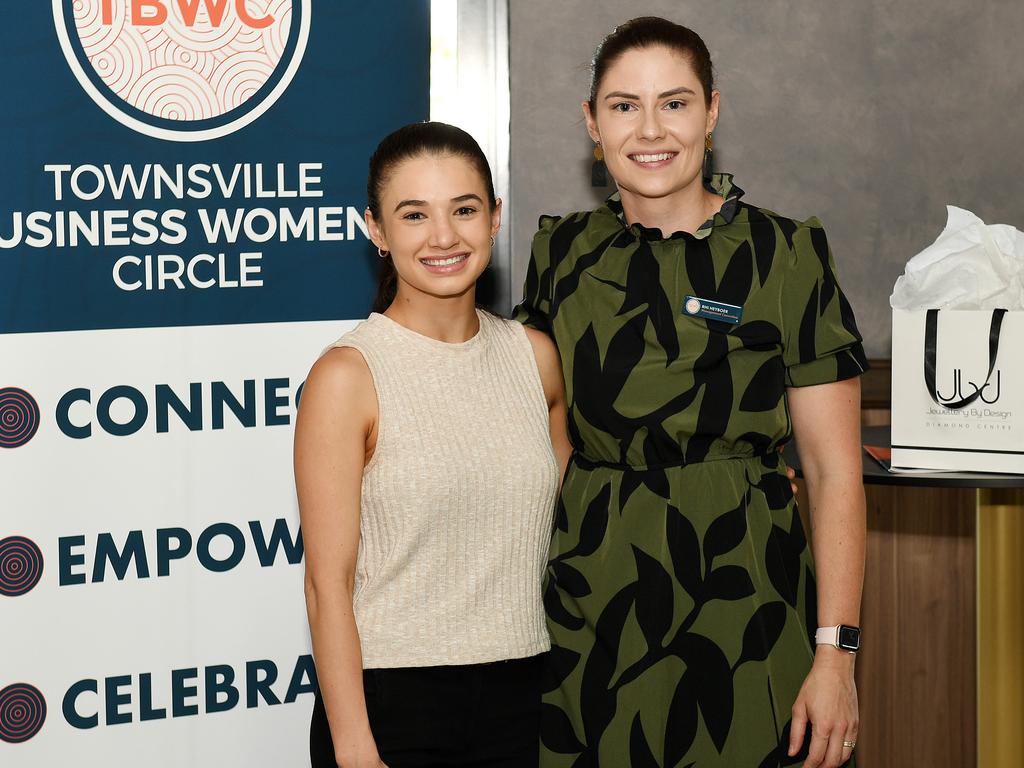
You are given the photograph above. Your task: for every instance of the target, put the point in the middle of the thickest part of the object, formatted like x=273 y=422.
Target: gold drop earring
x=598 y=171
x=709 y=157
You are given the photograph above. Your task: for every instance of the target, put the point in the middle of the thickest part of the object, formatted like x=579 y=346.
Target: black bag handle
x=931 y=330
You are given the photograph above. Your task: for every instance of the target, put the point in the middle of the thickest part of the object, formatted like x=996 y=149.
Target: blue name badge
x=712 y=310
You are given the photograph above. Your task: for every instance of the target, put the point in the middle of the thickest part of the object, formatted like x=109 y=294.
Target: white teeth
x=652 y=158
x=444 y=262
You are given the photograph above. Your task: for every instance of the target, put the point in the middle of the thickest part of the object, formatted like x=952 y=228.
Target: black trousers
x=480 y=715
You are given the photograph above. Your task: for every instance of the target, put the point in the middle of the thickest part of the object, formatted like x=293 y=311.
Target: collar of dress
x=720 y=183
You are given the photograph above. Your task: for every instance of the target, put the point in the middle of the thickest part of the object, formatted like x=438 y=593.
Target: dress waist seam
x=585 y=462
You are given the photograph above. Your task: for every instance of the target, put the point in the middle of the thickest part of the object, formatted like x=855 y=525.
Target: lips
x=447 y=263
x=652 y=159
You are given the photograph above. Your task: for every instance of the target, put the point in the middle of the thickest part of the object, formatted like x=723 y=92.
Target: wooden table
x=941 y=673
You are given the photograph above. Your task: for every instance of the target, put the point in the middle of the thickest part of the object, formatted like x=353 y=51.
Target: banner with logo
x=181 y=234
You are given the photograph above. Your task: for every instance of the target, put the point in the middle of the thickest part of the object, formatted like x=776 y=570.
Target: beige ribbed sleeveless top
x=457 y=499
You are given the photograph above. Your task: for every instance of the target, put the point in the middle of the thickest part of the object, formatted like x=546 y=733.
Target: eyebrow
x=413 y=203
x=422 y=203
x=681 y=90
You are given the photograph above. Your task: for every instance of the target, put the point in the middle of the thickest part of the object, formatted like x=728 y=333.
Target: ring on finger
x=849 y=744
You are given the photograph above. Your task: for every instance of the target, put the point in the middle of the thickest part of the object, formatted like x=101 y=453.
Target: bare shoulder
x=548 y=363
x=340 y=384
x=544 y=349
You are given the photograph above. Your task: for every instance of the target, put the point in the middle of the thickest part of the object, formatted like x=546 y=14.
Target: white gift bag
x=958 y=390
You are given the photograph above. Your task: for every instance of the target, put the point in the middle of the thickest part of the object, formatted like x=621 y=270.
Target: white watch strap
x=827 y=636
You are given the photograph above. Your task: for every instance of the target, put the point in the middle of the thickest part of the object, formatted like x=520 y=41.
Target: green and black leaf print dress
x=680 y=590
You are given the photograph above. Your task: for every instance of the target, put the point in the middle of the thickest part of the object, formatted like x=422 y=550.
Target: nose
x=651 y=127
x=442 y=234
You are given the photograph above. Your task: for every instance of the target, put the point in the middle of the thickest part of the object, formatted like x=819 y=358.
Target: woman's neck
x=682 y=211
x=451 y=319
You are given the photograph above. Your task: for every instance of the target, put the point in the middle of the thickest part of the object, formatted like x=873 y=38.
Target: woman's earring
x=598 y=171
x=709 y=157
x=382 y=254
x=492 y=241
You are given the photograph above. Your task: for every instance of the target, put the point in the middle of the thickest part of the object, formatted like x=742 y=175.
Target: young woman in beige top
x=428 y=451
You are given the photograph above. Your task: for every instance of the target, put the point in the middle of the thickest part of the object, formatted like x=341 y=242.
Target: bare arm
x=333 y=433
x=550 y=366
x=826 y=423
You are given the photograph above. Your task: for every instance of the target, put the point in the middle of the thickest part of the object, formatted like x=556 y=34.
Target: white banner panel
x=151 y=555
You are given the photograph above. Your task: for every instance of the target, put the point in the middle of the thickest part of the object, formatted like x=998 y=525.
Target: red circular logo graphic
x=19 y=417
x=183 y=70
x=21 y=565
x=22 y=712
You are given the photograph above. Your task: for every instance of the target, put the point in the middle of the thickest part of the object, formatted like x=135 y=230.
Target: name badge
x=712 y=310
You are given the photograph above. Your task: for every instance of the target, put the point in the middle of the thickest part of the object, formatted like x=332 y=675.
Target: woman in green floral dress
x=697 y=334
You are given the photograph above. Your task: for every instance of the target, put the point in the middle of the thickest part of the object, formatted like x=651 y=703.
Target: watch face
x=849 y=638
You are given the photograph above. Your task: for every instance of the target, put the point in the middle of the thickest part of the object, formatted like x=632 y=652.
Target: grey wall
x=872 y=115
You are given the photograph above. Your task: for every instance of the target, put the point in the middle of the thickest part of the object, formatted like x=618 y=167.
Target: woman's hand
x=791 y=476
x=828 y=702
x=368 y=759
x=358 y=753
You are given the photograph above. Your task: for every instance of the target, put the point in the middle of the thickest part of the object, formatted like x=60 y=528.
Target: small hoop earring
x=382 y=254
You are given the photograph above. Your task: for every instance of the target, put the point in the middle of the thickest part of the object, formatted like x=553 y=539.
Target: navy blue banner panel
x=197 y=162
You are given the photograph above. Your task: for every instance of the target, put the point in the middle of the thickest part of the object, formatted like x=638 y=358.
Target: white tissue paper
x=972 y=265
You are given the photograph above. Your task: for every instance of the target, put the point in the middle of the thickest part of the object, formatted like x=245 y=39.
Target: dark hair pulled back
x=411 y=141
x=648 y=32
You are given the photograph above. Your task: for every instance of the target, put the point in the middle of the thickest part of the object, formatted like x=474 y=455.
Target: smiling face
x=651 y=118
x=436 y=222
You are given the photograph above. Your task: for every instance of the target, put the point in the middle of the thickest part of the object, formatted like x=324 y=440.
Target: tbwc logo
x=22 y=712
x=21 y=566
x=19 y=417
x=183 y=70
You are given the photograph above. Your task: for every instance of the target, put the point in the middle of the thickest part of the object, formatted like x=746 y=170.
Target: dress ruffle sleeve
x=535 y=308
x=821 y=340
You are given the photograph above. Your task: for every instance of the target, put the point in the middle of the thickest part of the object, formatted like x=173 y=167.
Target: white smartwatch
x=843 y=637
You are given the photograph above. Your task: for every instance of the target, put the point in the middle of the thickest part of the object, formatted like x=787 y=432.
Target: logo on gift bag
x=959 y=393
x=183 y=70
x=959 y=399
